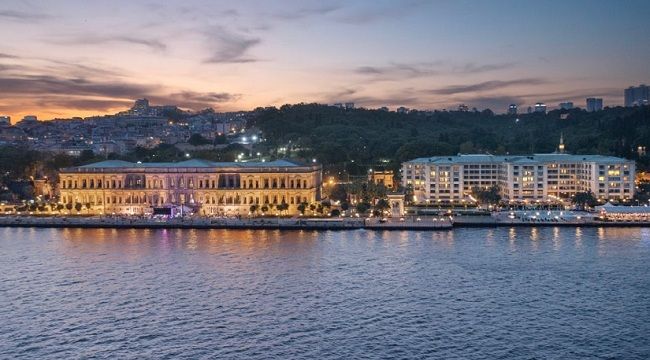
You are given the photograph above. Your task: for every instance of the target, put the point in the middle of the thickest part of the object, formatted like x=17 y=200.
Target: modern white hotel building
x=521 y=178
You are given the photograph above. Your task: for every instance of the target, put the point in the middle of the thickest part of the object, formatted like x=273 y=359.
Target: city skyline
x=75 y=59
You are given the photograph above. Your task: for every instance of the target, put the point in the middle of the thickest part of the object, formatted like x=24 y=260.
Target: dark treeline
x=357 y=139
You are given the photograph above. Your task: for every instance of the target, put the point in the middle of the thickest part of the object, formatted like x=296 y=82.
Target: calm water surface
x=522 y=293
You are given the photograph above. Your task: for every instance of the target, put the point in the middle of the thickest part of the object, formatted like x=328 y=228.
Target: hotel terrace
x=522 y=179
x=205 y=187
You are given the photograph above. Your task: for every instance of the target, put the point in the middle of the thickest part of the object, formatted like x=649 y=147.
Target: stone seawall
x=295 y=223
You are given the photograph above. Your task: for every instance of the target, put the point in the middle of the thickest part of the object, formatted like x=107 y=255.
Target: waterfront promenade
x=224 y=223
x=299 y=223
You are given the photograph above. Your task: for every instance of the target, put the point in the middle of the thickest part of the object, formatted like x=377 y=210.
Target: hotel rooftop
x=535 y=158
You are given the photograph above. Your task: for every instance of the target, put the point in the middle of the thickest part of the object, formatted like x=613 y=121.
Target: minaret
x=560 y=147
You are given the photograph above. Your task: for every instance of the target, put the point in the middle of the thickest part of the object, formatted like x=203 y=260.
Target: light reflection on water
x=557 y=243
x=468 y=293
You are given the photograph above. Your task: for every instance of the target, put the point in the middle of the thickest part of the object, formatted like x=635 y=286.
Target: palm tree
x=302 y=207
x=282 y=207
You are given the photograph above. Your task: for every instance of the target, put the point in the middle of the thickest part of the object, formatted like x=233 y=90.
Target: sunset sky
x=80 y=58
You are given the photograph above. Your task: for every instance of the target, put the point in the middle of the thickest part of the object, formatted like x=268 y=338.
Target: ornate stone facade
x=208 y=188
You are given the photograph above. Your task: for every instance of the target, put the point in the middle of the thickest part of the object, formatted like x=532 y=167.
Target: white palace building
x=208 y=188
x=520 y=178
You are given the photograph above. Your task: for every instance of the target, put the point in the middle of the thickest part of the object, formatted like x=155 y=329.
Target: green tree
x=362 y=207
x=77 y=206
x=489 y=196
x=382 y=205
x=338 y=193
x=582 y=200
x=197 y=140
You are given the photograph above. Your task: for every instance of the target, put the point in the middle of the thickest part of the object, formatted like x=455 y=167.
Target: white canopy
x=613 y=209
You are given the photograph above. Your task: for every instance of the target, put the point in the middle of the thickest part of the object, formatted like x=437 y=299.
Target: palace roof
x=187 y=164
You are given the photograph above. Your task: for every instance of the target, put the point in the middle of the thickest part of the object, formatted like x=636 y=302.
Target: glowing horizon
x=72 y=58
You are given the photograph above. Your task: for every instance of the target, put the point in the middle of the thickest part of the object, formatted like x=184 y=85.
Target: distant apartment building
x=568 y=105
x=383 y=177
x=520 y=178
x=540 y=107
x=637 y=96
x=347 y=105
x=140 y=107
x=594 y=104
x=512 y=109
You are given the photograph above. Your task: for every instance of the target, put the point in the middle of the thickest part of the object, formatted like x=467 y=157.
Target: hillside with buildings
x=348 y=142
